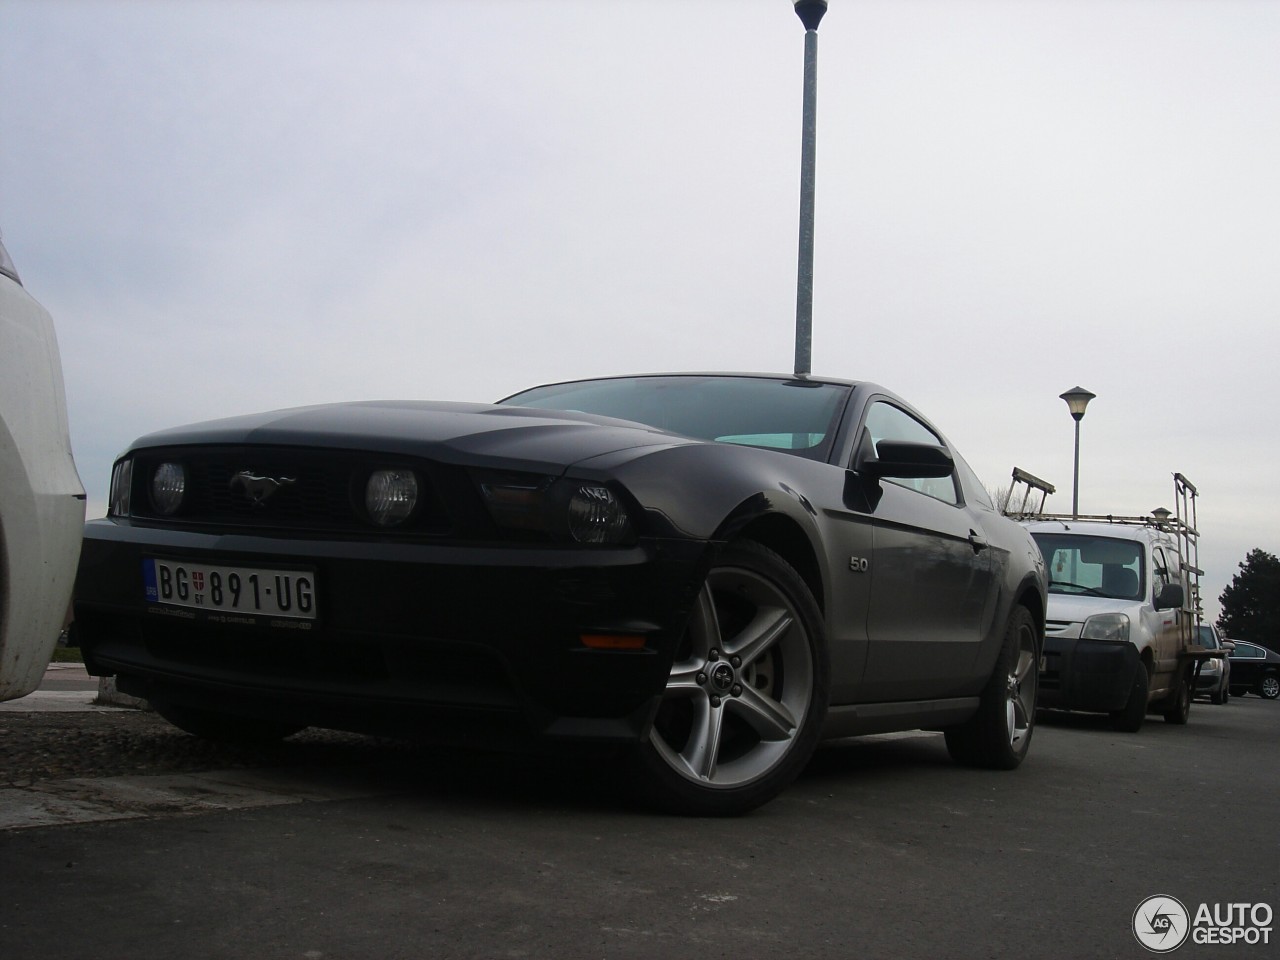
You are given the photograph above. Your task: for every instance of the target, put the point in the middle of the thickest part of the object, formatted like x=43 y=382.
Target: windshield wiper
x=1092 y=591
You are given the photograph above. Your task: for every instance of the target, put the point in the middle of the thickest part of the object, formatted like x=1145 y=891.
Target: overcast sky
x=234 y=206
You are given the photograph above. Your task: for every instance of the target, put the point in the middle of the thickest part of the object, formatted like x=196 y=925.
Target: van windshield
x=1093 y=566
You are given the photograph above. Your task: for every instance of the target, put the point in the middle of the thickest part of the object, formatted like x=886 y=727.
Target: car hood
x=1070 y=608
x=519 y=438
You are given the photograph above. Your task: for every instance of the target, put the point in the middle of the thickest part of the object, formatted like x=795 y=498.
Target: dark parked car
x=703 y=573
x=1254 y=669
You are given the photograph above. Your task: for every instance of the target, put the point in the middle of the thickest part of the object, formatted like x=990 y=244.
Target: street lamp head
x=1077 y=399
x=810 y=12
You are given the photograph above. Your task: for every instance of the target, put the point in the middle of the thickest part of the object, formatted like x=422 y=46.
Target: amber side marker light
x=613 y=641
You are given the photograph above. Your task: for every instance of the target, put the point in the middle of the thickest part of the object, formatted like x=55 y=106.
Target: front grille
x=275 y=488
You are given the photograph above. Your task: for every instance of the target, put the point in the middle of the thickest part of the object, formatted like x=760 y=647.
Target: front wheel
x=747 y=694
x=999 y=734
x=1270 y=686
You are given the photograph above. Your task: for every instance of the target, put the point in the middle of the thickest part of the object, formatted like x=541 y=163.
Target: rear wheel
x=1129 y=718
x=1270 y=686
x=1180 y=700
x=223 y=727
x=747 y=694
x=999 y=734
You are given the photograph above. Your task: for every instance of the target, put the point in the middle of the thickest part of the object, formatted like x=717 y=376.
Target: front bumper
x=444 y=642
x=1086 y=674
x=1209 y=682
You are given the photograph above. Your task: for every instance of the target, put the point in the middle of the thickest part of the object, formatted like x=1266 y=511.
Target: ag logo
x=1161 y=924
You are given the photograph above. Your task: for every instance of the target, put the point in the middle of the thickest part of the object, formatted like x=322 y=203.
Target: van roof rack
x=1182 y=523
x=1032 y=484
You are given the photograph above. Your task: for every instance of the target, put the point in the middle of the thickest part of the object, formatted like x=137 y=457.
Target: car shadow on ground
x=599 y=785
x=867 y=761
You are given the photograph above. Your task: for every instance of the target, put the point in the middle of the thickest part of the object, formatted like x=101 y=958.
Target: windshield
x=798 y=416
x=1093 y=566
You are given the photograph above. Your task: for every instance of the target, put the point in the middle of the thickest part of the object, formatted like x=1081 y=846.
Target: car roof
x=1100 y=528
x=723 y=374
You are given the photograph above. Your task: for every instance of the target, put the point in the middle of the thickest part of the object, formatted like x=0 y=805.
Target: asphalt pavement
x=882 y=848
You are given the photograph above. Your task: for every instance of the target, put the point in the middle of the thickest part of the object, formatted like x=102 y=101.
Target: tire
x=223 y=727
x=747 y=694
x=1180 y=701
x=1129 y=718
x=999 y=734
x=1269 y=686
x=1218 y=697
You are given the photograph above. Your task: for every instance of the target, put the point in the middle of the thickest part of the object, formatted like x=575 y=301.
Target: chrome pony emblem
x=257 y=489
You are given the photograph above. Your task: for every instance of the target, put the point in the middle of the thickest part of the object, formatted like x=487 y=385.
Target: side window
x=974 y=491
x=1160 y=573
x=887 y=422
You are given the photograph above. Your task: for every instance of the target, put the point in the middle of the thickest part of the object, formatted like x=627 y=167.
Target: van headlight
x=1113 y=627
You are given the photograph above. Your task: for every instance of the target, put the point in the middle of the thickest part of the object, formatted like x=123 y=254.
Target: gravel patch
x=55 y=746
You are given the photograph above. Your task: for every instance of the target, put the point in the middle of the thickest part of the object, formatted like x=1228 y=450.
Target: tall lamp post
x=1077 y=399
x=810 y=13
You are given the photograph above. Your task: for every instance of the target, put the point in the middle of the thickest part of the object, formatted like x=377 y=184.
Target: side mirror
x=1170 y=596
x=1228 y=645
x=907 y=460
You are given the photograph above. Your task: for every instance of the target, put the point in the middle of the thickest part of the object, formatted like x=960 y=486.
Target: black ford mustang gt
x=710 y=572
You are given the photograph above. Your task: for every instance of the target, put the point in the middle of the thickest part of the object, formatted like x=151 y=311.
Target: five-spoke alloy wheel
x=747 y=692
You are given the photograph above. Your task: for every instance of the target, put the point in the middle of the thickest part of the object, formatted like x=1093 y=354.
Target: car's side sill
x=859 y=718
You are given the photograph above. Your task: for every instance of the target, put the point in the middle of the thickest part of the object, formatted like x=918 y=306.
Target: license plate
x=246 y=591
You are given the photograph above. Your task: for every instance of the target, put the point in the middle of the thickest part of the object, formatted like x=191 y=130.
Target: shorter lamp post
x=1077 y=400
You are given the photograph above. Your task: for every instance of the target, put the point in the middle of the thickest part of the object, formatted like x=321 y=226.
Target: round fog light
x=390 y=496
x=168 y=484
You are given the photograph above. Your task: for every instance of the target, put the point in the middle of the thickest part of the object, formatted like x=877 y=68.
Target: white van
x=41 y=500
x=1116 y=630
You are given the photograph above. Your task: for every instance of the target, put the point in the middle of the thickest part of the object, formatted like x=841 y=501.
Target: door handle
x=977 y=541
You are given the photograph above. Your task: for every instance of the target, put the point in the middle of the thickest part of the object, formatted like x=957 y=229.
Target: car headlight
x=596 y=516
x=390 y=496
x=582 y=511
x=1107 y=626
x=118 y=501
x=168 y=486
